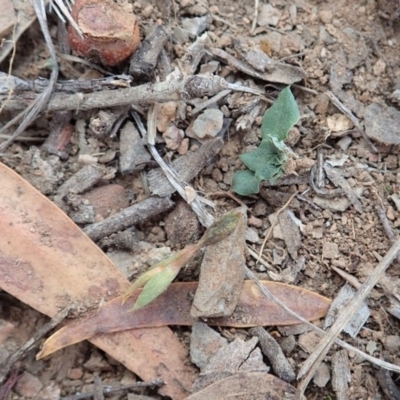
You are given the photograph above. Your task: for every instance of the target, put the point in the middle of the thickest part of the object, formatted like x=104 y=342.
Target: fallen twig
x=8 y=82
x=190 y=87
x=107 y=389
x=129 y=216
x=386 y=225
x=255 y=16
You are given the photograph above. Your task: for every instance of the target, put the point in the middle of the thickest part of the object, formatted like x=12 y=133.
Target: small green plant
x=267 y=162
x=156 y=280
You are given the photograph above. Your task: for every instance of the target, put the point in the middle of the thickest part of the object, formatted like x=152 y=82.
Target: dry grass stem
x=310 y=366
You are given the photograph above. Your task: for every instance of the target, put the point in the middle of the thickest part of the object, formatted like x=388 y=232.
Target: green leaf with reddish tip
x=221 y=228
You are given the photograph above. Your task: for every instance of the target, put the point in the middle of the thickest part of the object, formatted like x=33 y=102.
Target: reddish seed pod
x=110 y=31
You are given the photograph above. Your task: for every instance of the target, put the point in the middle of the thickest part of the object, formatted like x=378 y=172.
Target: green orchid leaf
x=246 y=183
x=154 y=287
x=266 y=154
x=267 y=162
x=267 y=172
x=281 y=116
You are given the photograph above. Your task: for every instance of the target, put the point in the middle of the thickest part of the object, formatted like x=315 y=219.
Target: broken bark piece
x=60 y=135
x=130 y=216
x=290 y=231
x=250 y=385
x=222 y=274
x=102 y=123
x=253 y=309
x=83 y=180
x=338 y=180
x=274 y=353
x=144 y=60
x=341 y=375
x=382 y=123
x=225 y=362
x=133 y=154
x=359 y=318
x=187 y=167
x=205 y=342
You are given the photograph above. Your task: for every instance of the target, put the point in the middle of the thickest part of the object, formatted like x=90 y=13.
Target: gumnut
x=110 y=31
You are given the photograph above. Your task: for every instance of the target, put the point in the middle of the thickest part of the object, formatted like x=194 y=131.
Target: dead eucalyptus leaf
x=173 y=308
x=47 y=262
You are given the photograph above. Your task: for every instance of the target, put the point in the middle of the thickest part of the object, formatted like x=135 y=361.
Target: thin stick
x=309 y=368
x=190 y=87
x=269 y=232
x=254 y=24
x=110 y=389
x=227 y=194
x=254 y=254
x=267 y=293
x=197 y=206
x=352 y=118
x=201 y=106
x=386 y=225
x=217 y=18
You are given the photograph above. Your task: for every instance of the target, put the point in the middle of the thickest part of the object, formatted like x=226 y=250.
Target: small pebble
x=28 y=385
x=269 y=15
x=206 y=125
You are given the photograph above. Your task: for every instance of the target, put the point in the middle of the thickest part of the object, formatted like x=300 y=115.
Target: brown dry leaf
x=247 y=386
x=173 y=308
x=47 y=262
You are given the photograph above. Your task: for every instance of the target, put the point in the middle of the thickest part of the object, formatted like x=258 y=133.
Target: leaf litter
x=368 y=173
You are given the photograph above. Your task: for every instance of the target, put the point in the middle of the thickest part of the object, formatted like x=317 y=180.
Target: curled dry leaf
x=110 y=30
x=173 y=308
